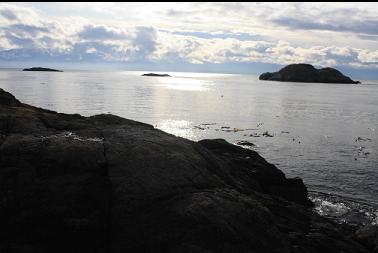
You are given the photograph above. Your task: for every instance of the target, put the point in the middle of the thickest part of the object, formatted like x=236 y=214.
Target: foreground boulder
x=107 y=184
x=307 y=73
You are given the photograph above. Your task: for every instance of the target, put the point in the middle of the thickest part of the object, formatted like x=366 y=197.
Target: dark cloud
x=28 y=29
x=368 y=37
x=145 y=42
x=91 y=32
x=221 y=35
x=8 y=14
x=24 y=54
x=95 y=51
x=39 y=43
x=231 y=54
x=20 y=41
x=24 y=36
x=369 y=27
x=352 y=56
x=79 y=53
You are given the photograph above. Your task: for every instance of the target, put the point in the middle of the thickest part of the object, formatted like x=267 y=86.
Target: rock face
x=368 y=235
x=42 y=69
x=154 y=74
x=107 y=184
x=307 y=73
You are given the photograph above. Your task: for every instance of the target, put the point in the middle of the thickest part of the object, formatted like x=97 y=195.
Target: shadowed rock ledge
x=307 y=73
x=107 y=184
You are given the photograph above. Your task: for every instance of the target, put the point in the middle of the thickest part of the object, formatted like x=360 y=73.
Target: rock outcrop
x=307 y=73
x=42 y=69
x=107 y=184
x=154 y=74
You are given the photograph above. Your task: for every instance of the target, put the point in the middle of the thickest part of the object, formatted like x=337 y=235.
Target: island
x=154 y=74
x=307 y=73
x=42 y=69
x=103 y=183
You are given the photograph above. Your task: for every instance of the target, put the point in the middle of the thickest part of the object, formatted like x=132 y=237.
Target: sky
x=206 y=37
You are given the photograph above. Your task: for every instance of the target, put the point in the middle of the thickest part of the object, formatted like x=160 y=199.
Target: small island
x=154 y=74
x=42 y=69
x=307 y=73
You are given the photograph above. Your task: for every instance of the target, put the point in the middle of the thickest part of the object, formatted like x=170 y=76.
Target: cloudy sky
x=229 y=37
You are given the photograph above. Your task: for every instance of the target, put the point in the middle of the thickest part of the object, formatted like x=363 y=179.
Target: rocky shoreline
x=103 y=183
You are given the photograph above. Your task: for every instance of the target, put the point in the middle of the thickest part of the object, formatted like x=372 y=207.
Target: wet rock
x=227 y=130
x=267 y=134
x=208 y=124
x=362 y=139
x=245 y=143
x=198 y=127
x=237 y=130
x=361 y=151
x=254 y=135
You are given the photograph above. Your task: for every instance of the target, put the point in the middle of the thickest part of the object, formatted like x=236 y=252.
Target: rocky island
x=154 y=74
x=307 y=73
x=42 y=69
x=103 y=183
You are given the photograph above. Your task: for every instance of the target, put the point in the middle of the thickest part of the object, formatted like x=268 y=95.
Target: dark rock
x=368 y=235
x=267 y=134
x=245 y=143
x=42 y=69
x=8 y=99
x=307 y=73
x=362 y=139
x=106 y=184
x=154 y=74
x=249 y=171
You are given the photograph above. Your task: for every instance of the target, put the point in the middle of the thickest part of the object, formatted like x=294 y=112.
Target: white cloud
x=192 y=32
x=366 y=56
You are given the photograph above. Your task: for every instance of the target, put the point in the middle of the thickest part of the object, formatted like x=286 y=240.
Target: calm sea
x=324 y=133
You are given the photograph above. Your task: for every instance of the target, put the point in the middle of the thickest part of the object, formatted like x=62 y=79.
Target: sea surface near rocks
x=323 y=133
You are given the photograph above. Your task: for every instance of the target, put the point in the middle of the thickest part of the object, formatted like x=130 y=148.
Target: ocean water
x=324 y=133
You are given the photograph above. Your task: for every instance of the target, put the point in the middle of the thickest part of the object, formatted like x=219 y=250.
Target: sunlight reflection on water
x=180 y=128
x=184 y=83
